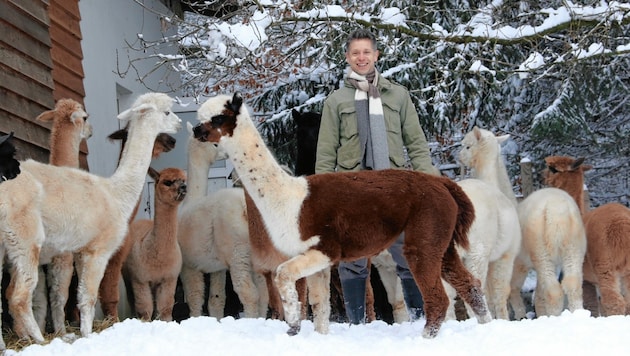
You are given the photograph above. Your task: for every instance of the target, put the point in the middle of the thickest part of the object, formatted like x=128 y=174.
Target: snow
x=569 y=334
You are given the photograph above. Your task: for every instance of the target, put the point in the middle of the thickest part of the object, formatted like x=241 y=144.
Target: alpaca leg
x=590 y=298
x=40 y=300
x=193 y=284
x=452 y=295
x=90 y=267
x=165 y=299
x=319 y=298
x=288 y=273
x=467 y=286
x=612 y=301
x=275 y=302
x=370 y=314
x=393 y=287
x=23 y=252
x=245 y=288
x=302 y=292
x=263 y=294
x=3 y=346
x=477 y=264
x=626 y=292
x=143 y=300
x=498 y=285
x=109 y=292
x=59 y=277
x=216 y=297
x=549 y=298
x=519 y=274
x=572 y=284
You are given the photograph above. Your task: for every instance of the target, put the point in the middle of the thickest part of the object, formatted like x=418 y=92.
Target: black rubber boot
x=413 y=299
x=354 y=299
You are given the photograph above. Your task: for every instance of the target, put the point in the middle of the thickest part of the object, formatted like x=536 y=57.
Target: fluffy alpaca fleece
x=214 y=238
x=550 y=230
x=606 y=264
x=69 y=128
x=9 y=166
x=154 y=262
x=321 y=219
x=307 y=131
x=495 y=241
x=108 y=291
x=48 y=210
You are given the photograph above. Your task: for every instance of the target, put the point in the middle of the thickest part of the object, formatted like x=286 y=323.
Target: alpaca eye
x=168 y=183
x=553 y=170
x=167 y=113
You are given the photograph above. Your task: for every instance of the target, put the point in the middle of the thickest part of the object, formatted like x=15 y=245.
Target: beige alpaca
x=606 y=264
x=69 y=128
x=109 y=291
x=48 y=210
x=154 y=262
x=214 y=237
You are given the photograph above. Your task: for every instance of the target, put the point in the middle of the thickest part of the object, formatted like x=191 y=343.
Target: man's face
x=361 y=56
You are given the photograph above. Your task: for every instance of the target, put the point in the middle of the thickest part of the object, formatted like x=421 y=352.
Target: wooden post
x=527 y=182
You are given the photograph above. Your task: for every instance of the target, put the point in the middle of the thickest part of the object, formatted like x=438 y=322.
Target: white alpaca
x=214 y=237
x=551 y=230
x=69 y=128
x=48 y=210
x=154 y=262
x=495 y=241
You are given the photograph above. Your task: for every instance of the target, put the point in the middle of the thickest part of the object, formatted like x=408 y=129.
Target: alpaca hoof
x=293 y=330
x=485 y=318
x=430 y=331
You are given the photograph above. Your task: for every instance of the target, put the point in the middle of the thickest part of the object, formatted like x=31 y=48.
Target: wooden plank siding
x=40 y=63
x=26 y=84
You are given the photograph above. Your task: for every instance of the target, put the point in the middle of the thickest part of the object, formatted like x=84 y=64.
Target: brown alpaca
x=69 y=128
x=109 y=291
x=154 y=262
x=321 y=219
x=606 y=264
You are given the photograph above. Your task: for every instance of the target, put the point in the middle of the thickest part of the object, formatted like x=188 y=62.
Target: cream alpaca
x=57 y=213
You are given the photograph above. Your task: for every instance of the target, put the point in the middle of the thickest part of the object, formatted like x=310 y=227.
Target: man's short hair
x=361 y=34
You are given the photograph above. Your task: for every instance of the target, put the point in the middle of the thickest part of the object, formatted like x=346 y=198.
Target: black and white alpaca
x=325 y=218
x=9 y=166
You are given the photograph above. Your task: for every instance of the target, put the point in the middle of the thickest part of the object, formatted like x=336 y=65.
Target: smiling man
x=366 y=124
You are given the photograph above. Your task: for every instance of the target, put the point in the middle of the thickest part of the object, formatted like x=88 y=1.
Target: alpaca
x=69 y=128
x=9 y=166
x=307 y=131
x=108 y=292
x=606 y=264
x=321 y=219
x=550 y=231
x=154 y=262
x=214 y=237
x=495 y=241
x=48 y=210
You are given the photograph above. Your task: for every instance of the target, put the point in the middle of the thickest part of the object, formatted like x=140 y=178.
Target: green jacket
x=338 y=147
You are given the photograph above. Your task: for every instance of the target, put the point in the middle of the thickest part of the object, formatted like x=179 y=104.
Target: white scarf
x=370 y=121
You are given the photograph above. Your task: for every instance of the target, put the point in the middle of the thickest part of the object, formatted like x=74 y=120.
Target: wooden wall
x=40 y=62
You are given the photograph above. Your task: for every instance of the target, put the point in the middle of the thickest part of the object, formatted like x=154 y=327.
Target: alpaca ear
x=142 y=108
x=189 y=127
x=155 y=175
x=503 y=138
x=235 y=104
x=5 y=138
x=46 y=116
x=477 y=133
x=118 y=135
x=125 y=115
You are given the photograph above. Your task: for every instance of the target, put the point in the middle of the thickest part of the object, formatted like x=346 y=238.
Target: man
x=366 y=124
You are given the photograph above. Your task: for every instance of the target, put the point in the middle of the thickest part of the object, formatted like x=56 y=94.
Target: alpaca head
x=480 y=144
x=565 y=172
x=163 y=142
x=68 y=116
x=170 y=185
x=9 y=166
x=218 y=116
x=154 y=112
x=203 y=151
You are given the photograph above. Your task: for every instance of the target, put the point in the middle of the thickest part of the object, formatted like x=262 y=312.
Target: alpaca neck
x=64 y=148
x=575 y=188
x=197 y=171
x=128 y=179
x=495 y=174
x=163 y=239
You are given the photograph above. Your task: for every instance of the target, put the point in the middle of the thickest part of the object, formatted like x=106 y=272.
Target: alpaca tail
x=465 y=214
